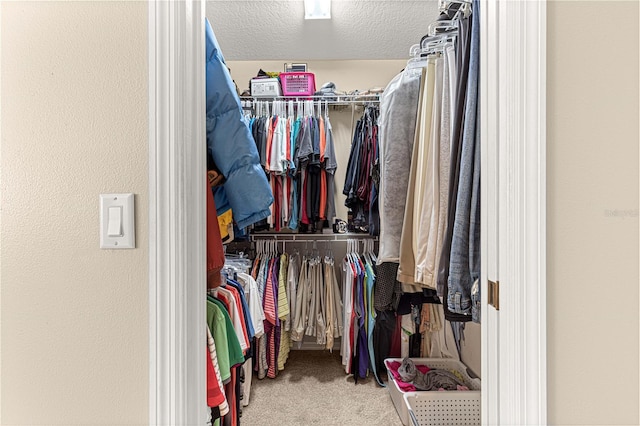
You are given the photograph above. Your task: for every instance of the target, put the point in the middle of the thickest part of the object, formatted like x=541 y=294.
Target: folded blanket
x=410 y=377
x=404 y=386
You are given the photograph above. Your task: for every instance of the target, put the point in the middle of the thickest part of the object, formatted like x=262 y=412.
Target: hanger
x=437 y=38
x=415 y=63
x=350 y=249
x=449 y=26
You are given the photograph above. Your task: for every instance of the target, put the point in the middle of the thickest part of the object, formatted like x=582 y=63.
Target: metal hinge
x=493 y=298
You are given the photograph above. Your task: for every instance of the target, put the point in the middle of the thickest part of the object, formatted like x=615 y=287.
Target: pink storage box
x=298 y=83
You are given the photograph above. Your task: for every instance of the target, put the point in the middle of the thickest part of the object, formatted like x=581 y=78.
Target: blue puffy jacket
x=246 y=189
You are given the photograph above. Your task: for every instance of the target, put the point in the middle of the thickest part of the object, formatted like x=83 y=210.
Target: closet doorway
x=513 y=205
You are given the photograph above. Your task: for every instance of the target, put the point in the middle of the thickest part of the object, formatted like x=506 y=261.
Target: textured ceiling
x=359 y=29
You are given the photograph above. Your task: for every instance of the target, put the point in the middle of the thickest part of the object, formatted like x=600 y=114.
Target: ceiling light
x=317 y=9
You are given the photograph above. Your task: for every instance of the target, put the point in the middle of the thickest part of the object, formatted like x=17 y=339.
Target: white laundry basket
x=442 y=408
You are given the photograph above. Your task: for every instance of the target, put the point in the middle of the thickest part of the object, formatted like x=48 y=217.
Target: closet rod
x=311 y=237
x=338 y=100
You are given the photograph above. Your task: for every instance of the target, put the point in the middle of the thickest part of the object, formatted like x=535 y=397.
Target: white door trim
x=513 y=106
x=177 y=173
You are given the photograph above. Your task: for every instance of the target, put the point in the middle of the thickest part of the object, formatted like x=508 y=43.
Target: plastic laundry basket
x=435 y=407
x=451 y=408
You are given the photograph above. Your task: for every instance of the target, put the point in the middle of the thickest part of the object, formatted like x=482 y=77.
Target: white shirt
x=253 y=300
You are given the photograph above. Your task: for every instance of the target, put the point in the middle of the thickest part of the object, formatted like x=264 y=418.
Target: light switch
x=114 y=227
x=117 y=227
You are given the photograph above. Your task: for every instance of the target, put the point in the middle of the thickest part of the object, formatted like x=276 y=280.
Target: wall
x=74 y=124
x=592 y=185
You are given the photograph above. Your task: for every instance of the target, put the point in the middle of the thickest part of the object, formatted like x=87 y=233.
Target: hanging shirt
x=228 y=347
x=347 y=297
x=228 y=297
x=255 y=305
x=246 y=314
x=331 y=166
x=215 y=387
x=371 y=319
x=396 y=131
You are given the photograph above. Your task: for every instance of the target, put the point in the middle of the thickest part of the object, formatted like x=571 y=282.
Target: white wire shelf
x=286 y=236
x=332 y=100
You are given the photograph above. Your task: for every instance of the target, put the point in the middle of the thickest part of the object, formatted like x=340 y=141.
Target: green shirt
x=225 y=338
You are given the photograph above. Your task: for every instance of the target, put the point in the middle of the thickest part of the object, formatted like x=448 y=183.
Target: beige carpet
x=314 y=390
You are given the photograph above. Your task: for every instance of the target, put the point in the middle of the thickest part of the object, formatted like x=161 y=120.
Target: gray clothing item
x=445 y=156
x=454 y=171
x=432 y=380
x=305 y=148
x=302 y=305
x=263 y=366
x=396 y=131
x=331 y=165
x=460 y=274
x=292 y=286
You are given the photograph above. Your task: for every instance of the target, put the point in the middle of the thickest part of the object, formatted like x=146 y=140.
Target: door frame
x=513 y=105
x=513 y=210
x=177 y=206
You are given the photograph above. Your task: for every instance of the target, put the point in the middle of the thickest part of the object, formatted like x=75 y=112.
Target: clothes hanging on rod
x=235 y=319
x=357 y=349
x=301 y=297
x=296 y=146
x=226 y=324
x=361 y=183
x=429 y=188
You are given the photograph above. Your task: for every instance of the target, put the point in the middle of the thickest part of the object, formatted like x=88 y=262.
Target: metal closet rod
x=339 y=99
x=312 y=237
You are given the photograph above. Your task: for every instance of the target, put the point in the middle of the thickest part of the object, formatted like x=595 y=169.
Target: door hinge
x=493 y=298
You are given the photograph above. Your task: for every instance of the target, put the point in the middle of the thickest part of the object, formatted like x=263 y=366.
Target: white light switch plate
x=117 y=223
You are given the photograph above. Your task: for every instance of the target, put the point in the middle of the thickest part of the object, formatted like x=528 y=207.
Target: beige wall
x=592 y=143
x=347 y=75
x=74 y=125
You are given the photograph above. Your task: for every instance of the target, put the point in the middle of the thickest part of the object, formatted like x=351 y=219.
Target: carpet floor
x=313 y=389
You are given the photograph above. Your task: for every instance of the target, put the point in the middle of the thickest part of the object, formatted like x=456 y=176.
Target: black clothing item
x=350 y=178
x=261 y=139
x=358 y=185
x=407 y=300
x=215 y=414
x=415 y=341
x=382 y=337
x=254 y=133
x=238 y=392
x=387 y=288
